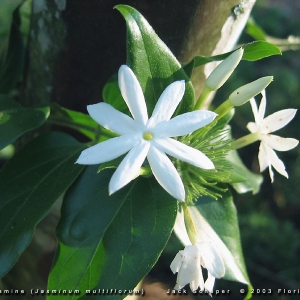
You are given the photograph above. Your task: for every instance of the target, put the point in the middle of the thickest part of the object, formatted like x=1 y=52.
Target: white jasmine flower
x=187 y=263
x=142 y=137
x=270 y=142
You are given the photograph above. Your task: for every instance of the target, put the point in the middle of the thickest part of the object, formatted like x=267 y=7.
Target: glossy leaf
x=29 y=185
x=15 y=120
x=152 y=62
x=110 y=241
x=216 y=222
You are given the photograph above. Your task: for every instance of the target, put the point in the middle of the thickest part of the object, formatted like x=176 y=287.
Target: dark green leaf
x=110 y=241
x=29 y=185
x=15 y=120
x=152 y=62
x=112 y=95
x=12 y=57
x=78 y=121
x=216 y=222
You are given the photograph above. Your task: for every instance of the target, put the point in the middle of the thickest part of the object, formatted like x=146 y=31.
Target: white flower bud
x=222 y=72
x=248 y=91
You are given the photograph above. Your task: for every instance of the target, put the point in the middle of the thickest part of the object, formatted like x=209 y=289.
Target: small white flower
x=187 y=263
x=263 y=127
x=142 y=137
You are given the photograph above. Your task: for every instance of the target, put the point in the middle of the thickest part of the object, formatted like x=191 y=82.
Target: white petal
x=197 y=282
x=279 y=143
x=262 y=107
x=176 y=262
x=107 y=150
x=190 y=266
x=112 y=119
x=133 y=95
x=184 y=124
x=275 y=161
x=212 y=260
x=254 y=110
x=209 y=283
x=277 y=120
x=129 y=167
x=165 y=173
x=263 y=158
x=167 y=103
x=252 y=127
x=184 y=153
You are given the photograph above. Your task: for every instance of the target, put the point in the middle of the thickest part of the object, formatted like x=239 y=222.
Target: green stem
x=189 y=224
x=202 y=98
x=223 y=109
x=245 y=140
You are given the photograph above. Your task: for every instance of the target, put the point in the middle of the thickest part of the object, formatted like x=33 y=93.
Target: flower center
x=148 y=136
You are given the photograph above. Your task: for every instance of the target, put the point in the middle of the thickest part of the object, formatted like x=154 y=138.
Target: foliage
x=102 y=239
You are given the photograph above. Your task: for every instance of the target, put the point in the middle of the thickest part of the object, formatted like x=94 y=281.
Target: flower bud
x=222 y=72
x=248 y=91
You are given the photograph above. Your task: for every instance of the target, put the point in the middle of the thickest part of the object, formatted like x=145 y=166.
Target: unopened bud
x=222 y=72
x=248 y=91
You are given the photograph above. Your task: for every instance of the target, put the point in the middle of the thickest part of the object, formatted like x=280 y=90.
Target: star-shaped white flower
x=270 y=142
x=142 y=137
x=188 y=265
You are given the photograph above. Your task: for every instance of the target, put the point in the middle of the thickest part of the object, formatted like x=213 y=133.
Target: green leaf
x=112 y=95
x=252 y=181
x=78 y=121
x=260 y=49
x=254 y=30
x=29 y=185
x=110 y=241
x=15 y=120
x=216 y=222
x=12 y=57
x=252 y=51
x=152 y=61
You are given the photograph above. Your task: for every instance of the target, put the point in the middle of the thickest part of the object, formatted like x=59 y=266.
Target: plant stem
x=202 y=98
x=223 y=109
x=245 y=140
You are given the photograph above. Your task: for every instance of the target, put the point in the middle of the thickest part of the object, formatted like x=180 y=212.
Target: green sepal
x=30 y=183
